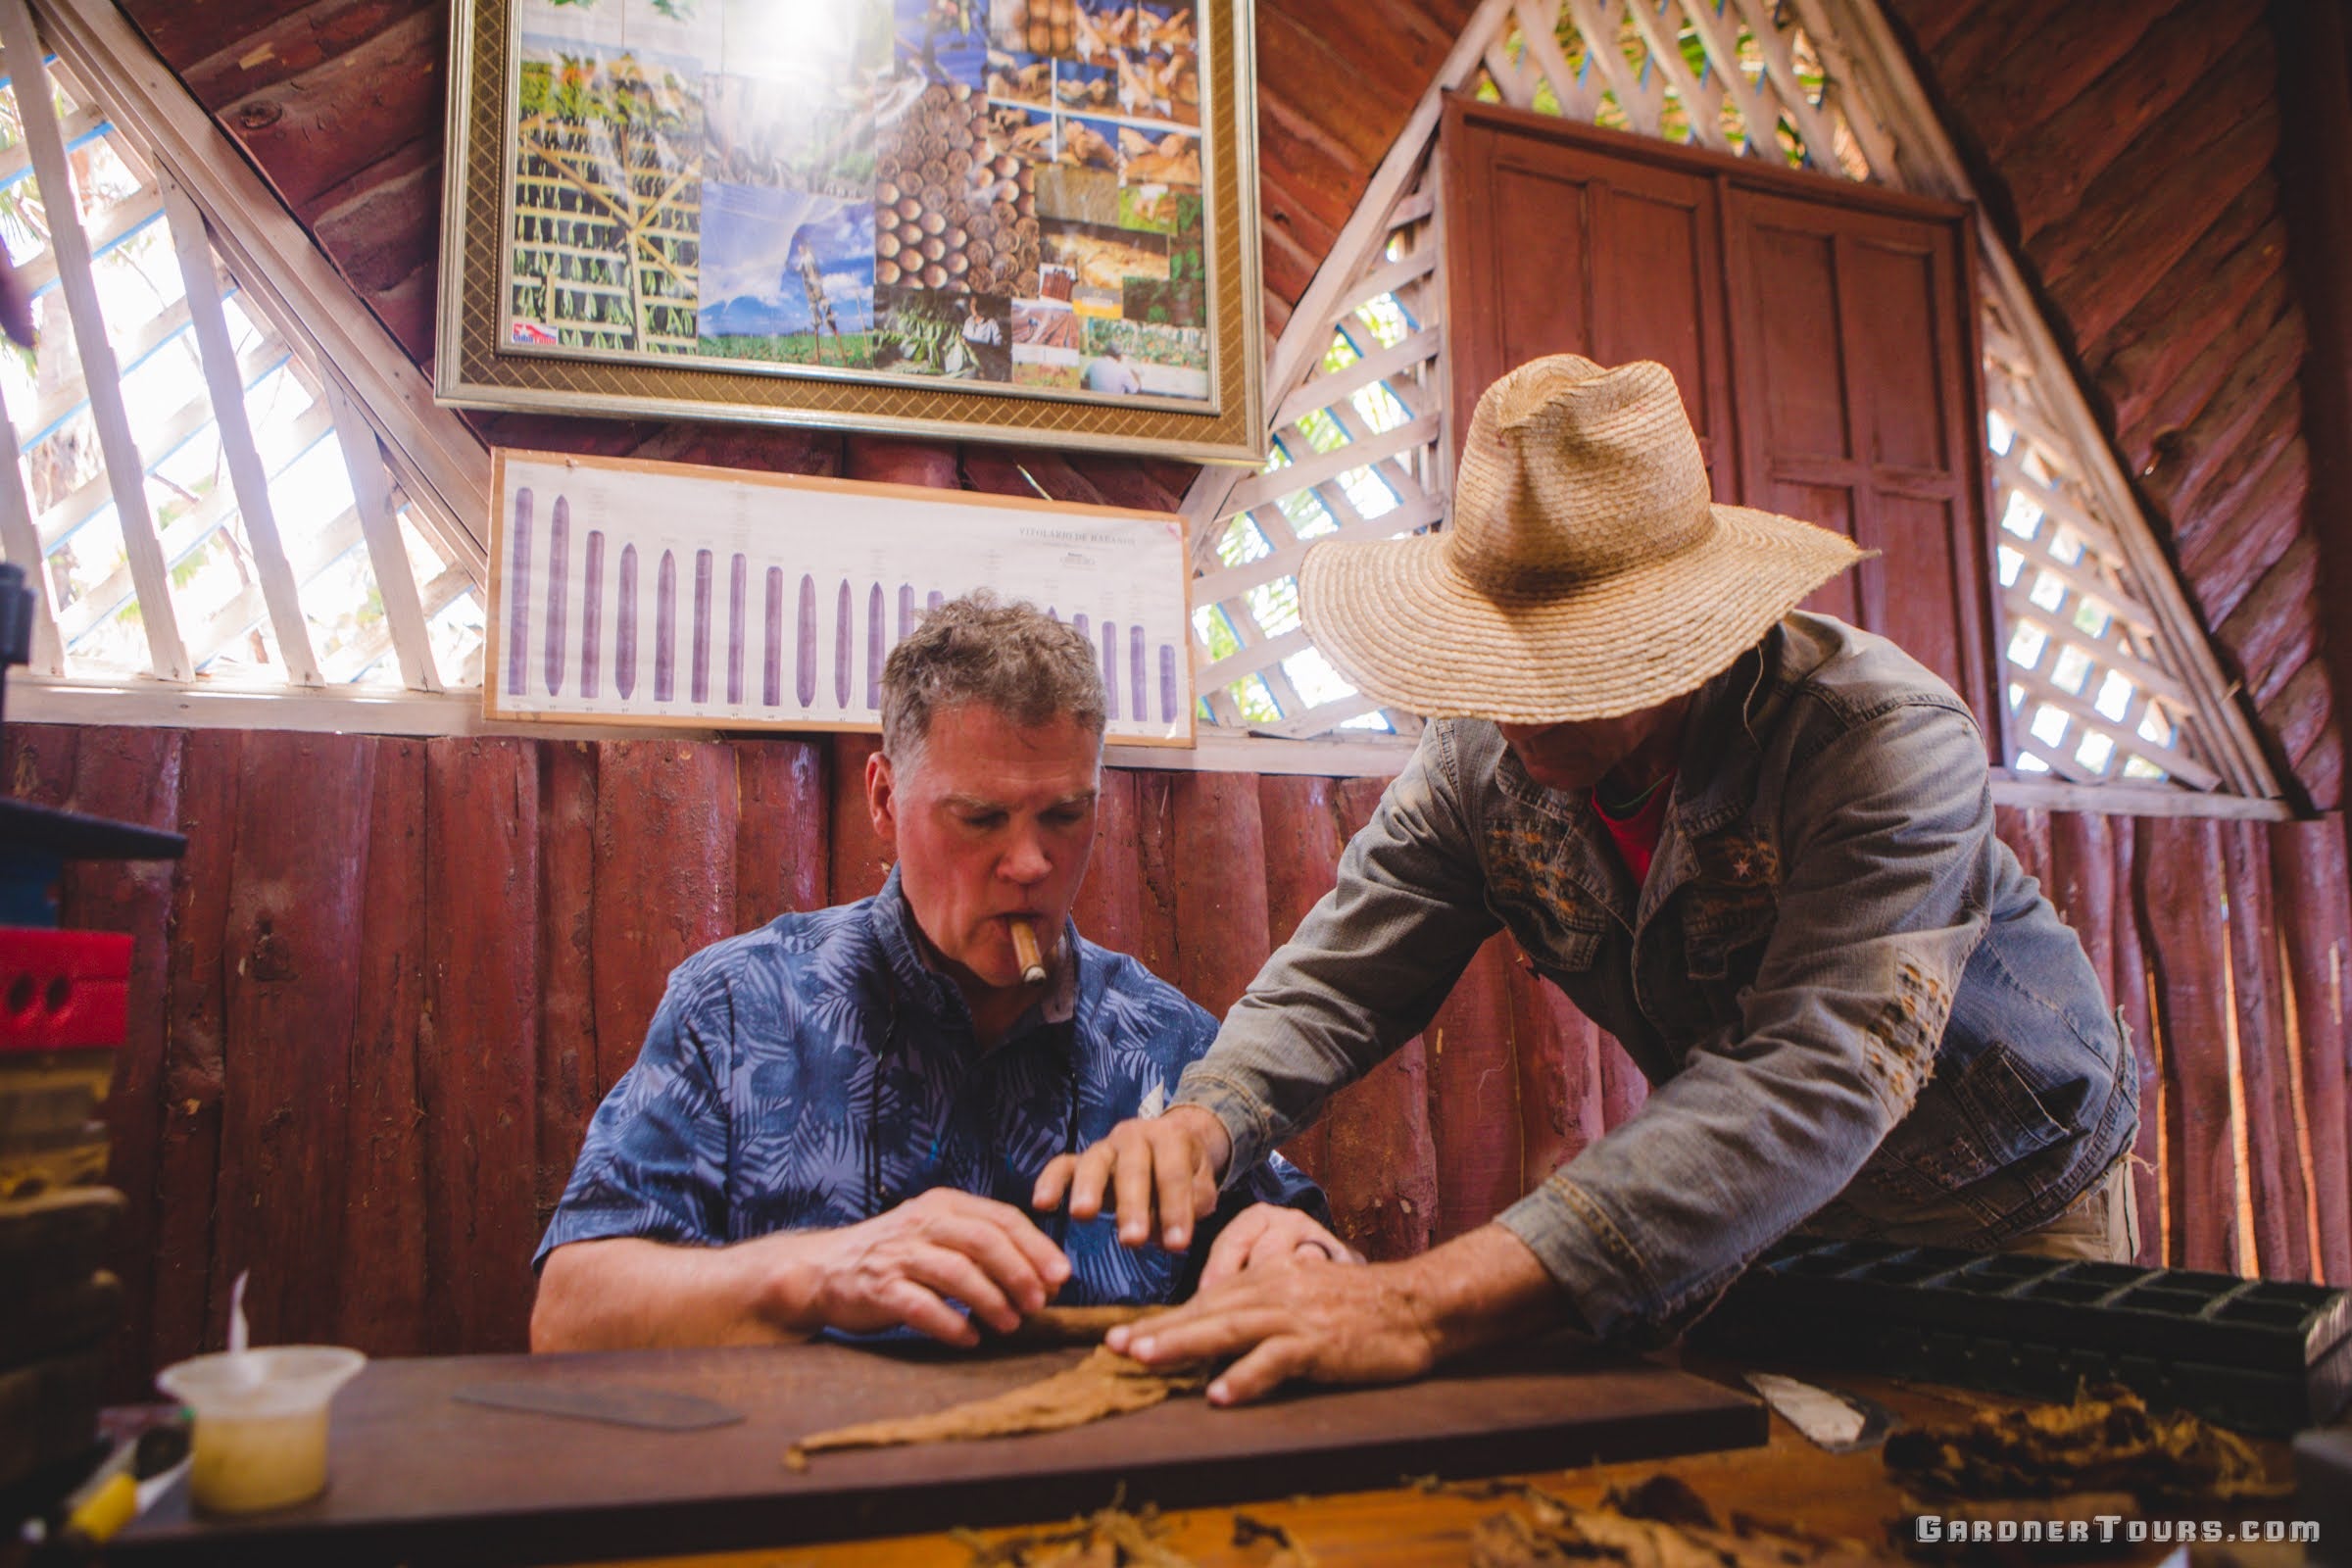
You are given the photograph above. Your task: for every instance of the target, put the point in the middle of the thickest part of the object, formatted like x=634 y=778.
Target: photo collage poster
x=1002 y=192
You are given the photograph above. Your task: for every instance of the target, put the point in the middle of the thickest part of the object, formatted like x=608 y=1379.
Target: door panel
x=1791 y=304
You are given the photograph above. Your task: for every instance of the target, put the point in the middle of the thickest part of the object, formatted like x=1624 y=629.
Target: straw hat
x=1585 y=573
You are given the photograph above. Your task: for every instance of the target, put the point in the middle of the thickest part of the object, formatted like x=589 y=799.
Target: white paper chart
x=663 y=593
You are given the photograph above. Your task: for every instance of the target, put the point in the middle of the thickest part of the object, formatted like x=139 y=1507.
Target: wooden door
x=1851 y=337
x=1821 y=332
x=1553 y=248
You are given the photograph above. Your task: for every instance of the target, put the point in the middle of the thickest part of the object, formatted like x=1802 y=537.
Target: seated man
x=1754 y=844
x=835 y=1117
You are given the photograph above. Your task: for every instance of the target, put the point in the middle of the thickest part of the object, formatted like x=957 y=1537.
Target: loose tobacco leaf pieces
x=2106 y=1440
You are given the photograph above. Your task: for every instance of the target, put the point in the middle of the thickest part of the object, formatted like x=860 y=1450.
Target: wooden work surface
x=418 y=1476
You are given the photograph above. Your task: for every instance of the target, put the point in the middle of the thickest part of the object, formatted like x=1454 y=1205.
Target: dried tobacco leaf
x=2106 y=1440
x=1105 y=1384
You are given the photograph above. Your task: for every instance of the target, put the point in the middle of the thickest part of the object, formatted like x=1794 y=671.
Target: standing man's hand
x=903 y=1266
x=1381 y=1323
x=1161 y=1173
x=1268 y=1236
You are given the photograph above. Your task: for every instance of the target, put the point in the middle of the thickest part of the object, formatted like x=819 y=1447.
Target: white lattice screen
x=2105 y=669
x=193 y=497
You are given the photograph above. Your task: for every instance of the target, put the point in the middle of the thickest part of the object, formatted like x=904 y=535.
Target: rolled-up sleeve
x=1887 y=835
x=1364 y=972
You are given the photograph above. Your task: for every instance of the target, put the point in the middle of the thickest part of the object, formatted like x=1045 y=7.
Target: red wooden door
x=1851 y=334
x=1820 y=331
x=1555 y=248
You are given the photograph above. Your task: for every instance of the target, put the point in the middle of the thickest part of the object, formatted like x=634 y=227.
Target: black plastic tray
x=2265 y=1355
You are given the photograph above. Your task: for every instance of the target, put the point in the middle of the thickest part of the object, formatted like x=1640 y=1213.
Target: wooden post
x=1474 y=1112
x=861 y=860
x=1110 y=904
x=570 y=1085
x=2275 y=1193
x=2132 y=986
x=2315 y=917
x=2179 y=875
x=1304 y=839
x=783 y=854
x=380 y=1283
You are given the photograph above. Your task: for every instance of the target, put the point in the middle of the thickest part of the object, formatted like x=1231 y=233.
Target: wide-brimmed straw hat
x=1585 y=572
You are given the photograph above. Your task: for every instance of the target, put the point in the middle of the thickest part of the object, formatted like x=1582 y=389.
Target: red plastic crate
x=63 y=990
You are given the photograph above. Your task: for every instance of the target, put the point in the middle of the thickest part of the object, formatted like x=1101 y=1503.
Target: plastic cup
x=261 y=1423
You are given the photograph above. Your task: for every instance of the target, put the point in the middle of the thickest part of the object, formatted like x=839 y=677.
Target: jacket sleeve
x=1886 y=840
x=1364 y=973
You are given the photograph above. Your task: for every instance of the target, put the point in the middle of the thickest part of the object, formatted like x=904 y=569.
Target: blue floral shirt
x=818 y=1071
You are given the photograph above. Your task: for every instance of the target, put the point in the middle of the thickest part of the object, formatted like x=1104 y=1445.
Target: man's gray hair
x=977 y=649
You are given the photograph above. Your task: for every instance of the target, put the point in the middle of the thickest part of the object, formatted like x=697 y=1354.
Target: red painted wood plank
x=2191 y=461
x=2267 y=619
x=1622 y=1088
x=1109 y=907
x=1474 y=1111
x=2050 y=65
x=479 y=1070
x=1122 y=484
x=2026 y=832
x=783 y=828
x=891 y=459
x=1303 y=838
x=1382 y=1171
x=860 y=859
x=314 y=132
x=1154 y=939
x=2299 y=712
x=38 y=761
x=2083 y=887
x=295 y=901
x=665 y=813
x=254 y=57
x=1219 y=864
x=188 y=1153
x=2147 y=429
x=1011 y=470
x=2322 y=768
x=183 y=33
x=1562 y=1100
x=2100 y=141
x=2207 y=288
x=131 y=775
x=380 y=1278
x=567 y=1087
x=2131 y=994
x=2273 y=1154
x=768 y=449
x=2179 y=886
x=2313 y=905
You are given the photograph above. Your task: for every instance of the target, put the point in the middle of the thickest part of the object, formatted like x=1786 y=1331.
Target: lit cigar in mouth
x=1024 y=948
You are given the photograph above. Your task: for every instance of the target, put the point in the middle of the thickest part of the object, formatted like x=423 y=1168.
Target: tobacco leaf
x=1105 y=1384
x=2106 y=1440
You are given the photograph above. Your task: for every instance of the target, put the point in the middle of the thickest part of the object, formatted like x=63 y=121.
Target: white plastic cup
x=261 y=1423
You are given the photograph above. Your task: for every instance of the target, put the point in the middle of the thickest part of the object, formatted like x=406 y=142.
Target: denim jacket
x=1859 y=1013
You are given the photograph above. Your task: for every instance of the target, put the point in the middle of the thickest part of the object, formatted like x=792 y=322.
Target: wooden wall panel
x=297 y=873
x=406 y=1061
x=381 y=1245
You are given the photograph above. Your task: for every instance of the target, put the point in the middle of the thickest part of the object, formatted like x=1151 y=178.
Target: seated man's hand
x=1316 y=1320
x=902 y=1268
x=1270 y=1236
x=1164 y=1168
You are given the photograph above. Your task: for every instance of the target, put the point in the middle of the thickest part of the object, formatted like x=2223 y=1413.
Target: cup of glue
x=261 y=1418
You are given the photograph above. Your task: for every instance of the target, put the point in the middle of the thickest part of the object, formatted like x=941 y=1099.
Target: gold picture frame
x=671 y=294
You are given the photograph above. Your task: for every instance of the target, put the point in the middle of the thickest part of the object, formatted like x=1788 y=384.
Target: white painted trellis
x=252 y=524
x=2107 y=672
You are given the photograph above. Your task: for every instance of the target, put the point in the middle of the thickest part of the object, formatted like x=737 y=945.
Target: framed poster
x=1015 y=219
x=664 y=593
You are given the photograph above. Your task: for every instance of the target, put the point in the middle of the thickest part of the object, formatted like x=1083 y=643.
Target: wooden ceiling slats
x=2051 y=63
x=303 y=40
x=2051 y=172
x=315 y=131
x=2297 y=711
x=2096 y=278
x=1973 y=42
x=2203 y=539
x=2171 y=406
x=2204 y=292
x=2187 y=463
x=2262 y=623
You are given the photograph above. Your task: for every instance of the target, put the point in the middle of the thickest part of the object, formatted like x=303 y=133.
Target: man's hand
x=1381 y=1323
x=902 y=1266
x=1315 y=1320
x=1270 y=1236
x=1163 y=1170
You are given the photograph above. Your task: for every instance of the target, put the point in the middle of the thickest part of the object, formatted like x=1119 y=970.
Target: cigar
x=1024 y=948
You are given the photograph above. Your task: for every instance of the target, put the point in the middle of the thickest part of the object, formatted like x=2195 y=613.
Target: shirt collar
x=915 y=969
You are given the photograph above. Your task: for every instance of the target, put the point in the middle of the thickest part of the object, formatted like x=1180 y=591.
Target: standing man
x=836 y=1117
x=1755 y=845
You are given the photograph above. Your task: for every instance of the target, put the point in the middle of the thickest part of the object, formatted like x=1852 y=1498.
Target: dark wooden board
x=417 y=1476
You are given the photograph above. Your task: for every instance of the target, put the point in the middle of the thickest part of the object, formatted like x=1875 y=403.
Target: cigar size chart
x=638 y=593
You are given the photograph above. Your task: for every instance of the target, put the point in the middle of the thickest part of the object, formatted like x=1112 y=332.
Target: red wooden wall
x=376 y=1005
